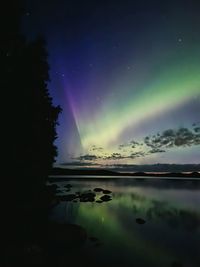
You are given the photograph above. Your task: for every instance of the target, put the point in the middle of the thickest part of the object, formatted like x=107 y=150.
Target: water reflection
x=169 y=237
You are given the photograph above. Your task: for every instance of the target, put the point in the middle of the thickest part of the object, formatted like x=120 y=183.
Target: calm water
x=170 y=235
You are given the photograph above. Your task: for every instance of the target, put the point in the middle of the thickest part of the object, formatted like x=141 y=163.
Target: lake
x=148 y=222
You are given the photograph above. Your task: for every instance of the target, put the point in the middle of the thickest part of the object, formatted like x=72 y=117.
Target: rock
x=106 y=198
x=88 y=194
x=107 y=192
x=84 y=200
x=58 y=191
x=99 y=201
x=97 y=189
x=68 y=185
x=140 y=221
x=69 y=197
x=87 y=197
x=66 y=189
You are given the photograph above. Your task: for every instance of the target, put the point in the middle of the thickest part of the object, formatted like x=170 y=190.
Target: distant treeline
x=158 y=168
x=137 y=168
x=103 y=172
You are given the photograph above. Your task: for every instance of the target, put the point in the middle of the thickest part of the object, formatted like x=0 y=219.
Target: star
x=180 y=40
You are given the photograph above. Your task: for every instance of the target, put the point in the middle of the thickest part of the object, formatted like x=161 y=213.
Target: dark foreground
x=122 y=222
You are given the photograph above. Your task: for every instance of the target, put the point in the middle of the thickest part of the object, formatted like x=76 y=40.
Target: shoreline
x=58 y=172
x=119 y=177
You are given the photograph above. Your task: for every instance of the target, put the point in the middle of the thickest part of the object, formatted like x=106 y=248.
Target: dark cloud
x=157 y=143
x=134 y=144
x=95 y=148
x=197 y=129
x=181 y=137
x=131 y=144
x=87 y=157
x=156 y=150
x=124 y=145
x=137 y=154
x=115 y=156
x=77 y=163
x=196 y=124
x=121 y=146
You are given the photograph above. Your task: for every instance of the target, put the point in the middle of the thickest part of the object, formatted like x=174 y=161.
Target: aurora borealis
x=171 y=214
x=123 y=71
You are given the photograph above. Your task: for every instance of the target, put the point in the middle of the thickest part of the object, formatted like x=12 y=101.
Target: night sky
x=127 y=76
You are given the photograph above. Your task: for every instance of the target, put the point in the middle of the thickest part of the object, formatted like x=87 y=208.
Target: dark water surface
x=168 y=236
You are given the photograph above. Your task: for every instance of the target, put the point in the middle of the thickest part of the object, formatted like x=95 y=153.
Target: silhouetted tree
x=41 y=133
x=28 y=124
x=29 y=117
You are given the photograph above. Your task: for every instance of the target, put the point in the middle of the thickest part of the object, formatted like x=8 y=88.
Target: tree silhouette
x=28 y=125
x=41 y=124
x=29 y=117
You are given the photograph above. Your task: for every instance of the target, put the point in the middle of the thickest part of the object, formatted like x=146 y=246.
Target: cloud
x=115 y=156
x=197 y=129
x=131 y=144
x=95 y=148
x=152 y=144
x=137 y=154
x=77 y=163
x=156 y=150
x=181 y=137
x=122 y=146
x=134 y=144
x=87 y=157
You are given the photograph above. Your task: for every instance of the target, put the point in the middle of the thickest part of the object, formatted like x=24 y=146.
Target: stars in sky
x=132 y=72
